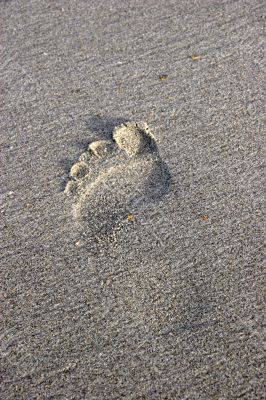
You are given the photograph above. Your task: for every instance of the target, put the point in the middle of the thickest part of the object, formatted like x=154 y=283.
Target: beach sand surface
x=146 y=296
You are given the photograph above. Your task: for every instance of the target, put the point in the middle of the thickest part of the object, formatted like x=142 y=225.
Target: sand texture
x=132 y=199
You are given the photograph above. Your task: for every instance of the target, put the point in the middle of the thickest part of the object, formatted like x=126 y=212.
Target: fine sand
x=132 y=199
x=115 y=178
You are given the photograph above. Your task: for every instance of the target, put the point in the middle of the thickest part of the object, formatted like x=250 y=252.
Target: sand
x=167 y=302
x=114 y=179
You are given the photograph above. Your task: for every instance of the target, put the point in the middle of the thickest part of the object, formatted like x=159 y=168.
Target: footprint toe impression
x=79 y=170
x=71 y=187
x=101 y=148
x=113 y=178
x=134 y=138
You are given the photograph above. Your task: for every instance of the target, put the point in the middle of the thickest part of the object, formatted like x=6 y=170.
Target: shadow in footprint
x=65 y=165
x=99 y=127
x=103 y=126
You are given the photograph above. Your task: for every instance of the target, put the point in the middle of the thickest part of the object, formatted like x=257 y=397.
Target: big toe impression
x=134 y=138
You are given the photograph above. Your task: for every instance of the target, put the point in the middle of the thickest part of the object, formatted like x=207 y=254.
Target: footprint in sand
x=114 y=178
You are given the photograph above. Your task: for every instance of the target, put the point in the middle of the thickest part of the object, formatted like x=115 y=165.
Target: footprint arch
x=114 y=178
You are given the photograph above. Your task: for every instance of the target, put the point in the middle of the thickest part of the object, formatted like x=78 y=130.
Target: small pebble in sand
x=77 y=90
x=163 y=77
x=131 y=218
x=194 y=57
